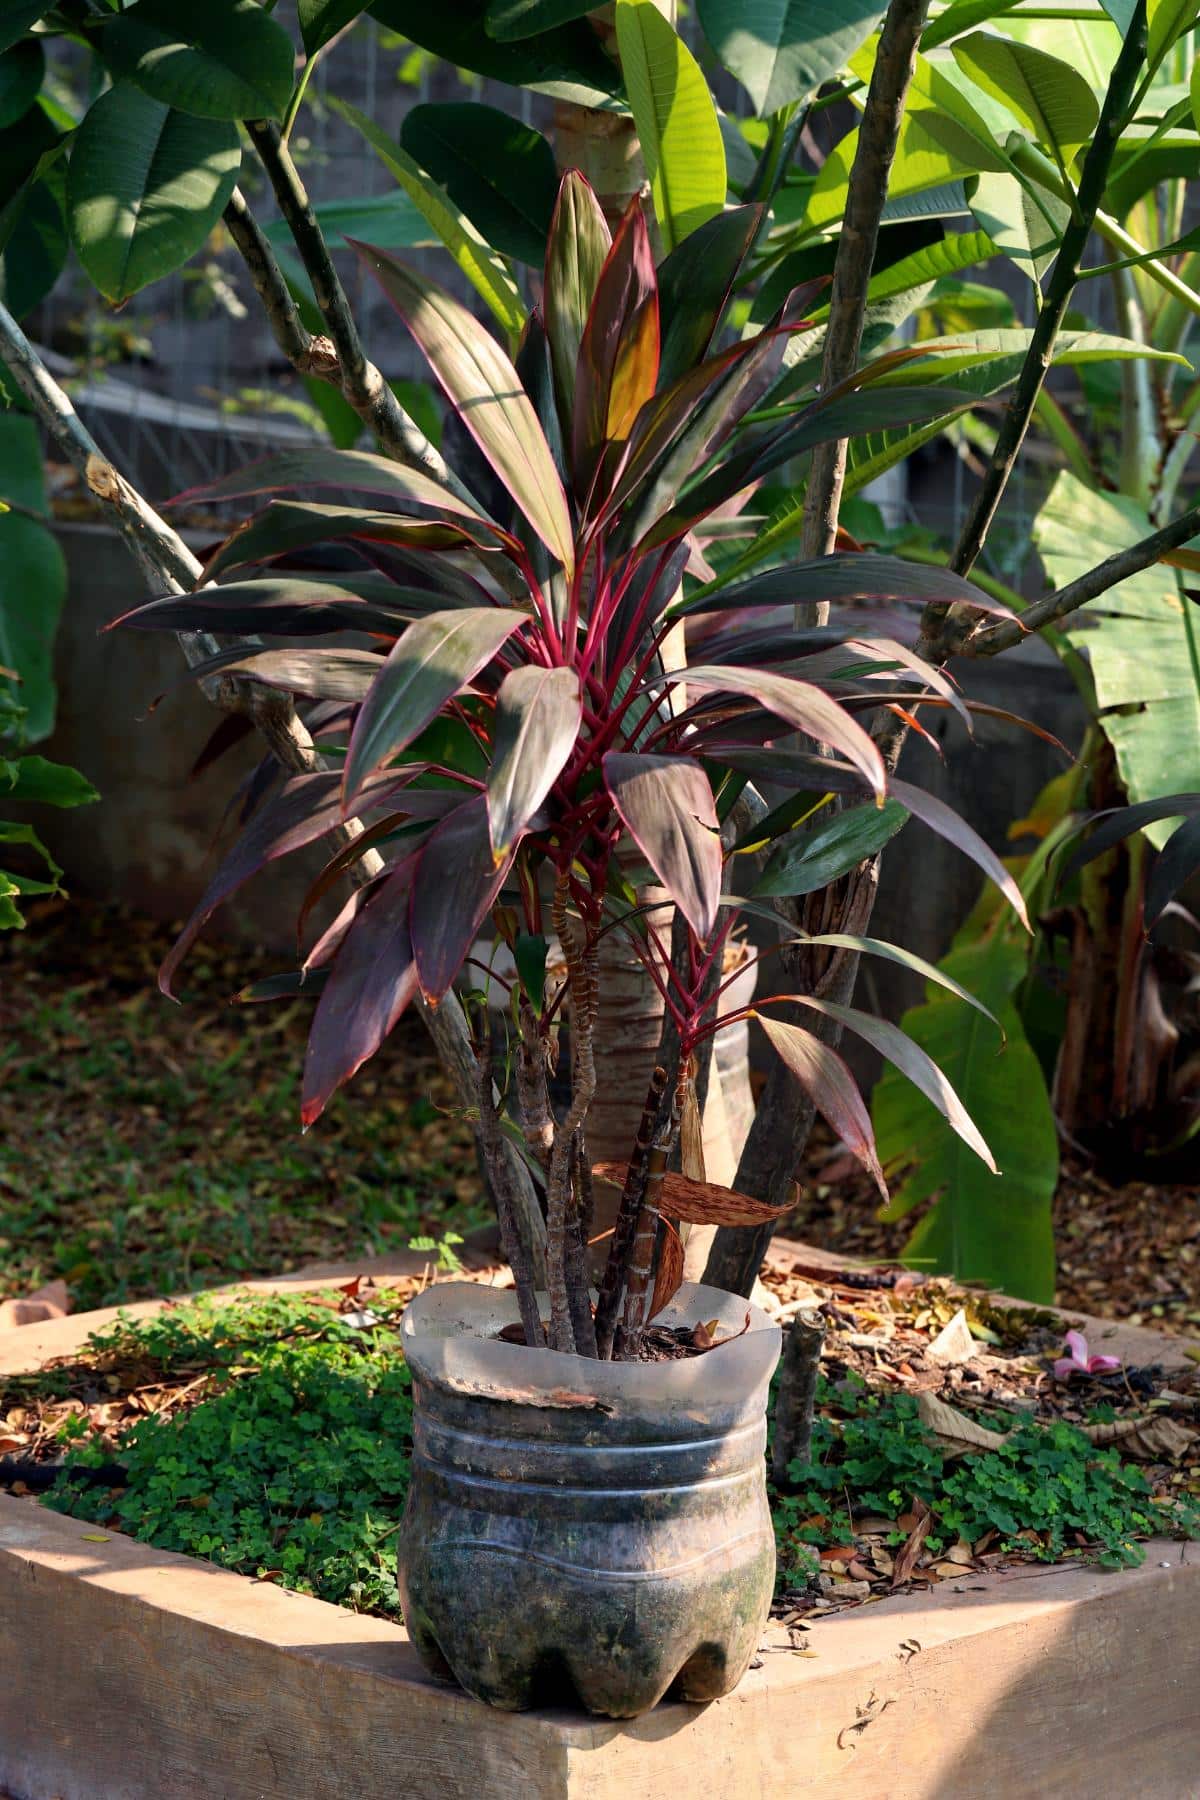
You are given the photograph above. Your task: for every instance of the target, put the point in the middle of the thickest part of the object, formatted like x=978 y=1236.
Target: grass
x=147 y=1148
x=288 y=1457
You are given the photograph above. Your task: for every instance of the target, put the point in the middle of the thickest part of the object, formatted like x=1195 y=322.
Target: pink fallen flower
x=1080 y=1363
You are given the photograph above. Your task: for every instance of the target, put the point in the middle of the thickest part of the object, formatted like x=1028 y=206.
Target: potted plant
x=523 y=747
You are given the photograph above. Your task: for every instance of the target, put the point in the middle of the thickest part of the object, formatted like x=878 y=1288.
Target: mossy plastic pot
x=584 y=1531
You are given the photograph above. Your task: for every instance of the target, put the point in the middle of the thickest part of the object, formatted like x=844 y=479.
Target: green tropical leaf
x=488 y=273
x=21 y=72
x=35 y=249
x=1167 y=21
x=567 y=62
x=496 y=170
x=943 y=137
x=1142 y=639
x=321 y=20
x=390 y=220
x=16 y=18
x=146 y=186
x=960 y=16
x=813 y=860
x=784 y=50
x=33 y=579
x=486 y=390
x=676 y=120
x=983 y=1227
x=967 y=351
x=509 y=20
x=1027 y=226
x=1048 y=97
x=38 y=782
x=224 y=59
x=961 y=250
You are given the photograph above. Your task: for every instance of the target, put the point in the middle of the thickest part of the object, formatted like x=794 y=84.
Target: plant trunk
x=604 y=147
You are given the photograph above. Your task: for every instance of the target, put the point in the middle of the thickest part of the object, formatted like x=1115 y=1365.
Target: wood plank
x=135 y=1674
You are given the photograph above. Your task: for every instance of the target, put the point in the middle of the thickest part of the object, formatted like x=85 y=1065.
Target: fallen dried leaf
x=1147 y=1437
x=953 y=1343
x=907 y=1560
x=957 y=1434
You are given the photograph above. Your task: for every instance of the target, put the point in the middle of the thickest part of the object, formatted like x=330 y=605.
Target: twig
x=568 y=1328
x=170 y=568
x=990 y=640
x=512 y=1239
x=360 y=381
x=613 y=1284
x=1061 y=286
x=796 y=1396
x=283 y=316
x=878 y=134
x=637 y=1284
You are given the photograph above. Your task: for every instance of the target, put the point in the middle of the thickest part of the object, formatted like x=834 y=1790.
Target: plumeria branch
x=341 y=356
x=878 y=135
x=990 y=640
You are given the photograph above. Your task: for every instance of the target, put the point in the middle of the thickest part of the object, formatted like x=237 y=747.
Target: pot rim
x=448 y=1334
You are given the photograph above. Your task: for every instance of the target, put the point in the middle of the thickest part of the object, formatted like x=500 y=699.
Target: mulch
x=1128 y=1251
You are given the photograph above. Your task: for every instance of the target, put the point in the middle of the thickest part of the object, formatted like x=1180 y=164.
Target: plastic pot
x=585 y=1530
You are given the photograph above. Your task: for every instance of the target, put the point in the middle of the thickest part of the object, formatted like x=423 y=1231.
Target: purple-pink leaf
x=286 y=526
x=537 y=723
x=286 y=606
x=486 y=392
x=456 y=882
x=578 y=243
x=666 y=804
x=304 y=809
x=831 y=1087
x=896 y=1047
x=618 y=355
x=372 y=980
x=357 y=471
x=804 y=707
x=434 y=660
x=950 y=825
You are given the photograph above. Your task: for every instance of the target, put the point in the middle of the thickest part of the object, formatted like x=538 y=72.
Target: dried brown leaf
x=906 y=1562
x=668 y=1276
x=1145 y=1437
x=955 y=1432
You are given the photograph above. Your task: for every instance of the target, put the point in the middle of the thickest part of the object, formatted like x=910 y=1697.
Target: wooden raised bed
x=129 y=1673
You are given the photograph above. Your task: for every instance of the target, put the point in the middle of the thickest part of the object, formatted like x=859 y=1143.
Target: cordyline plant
x=525 y=742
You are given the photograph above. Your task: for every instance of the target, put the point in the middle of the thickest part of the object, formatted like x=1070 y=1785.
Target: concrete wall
x=154 y=839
